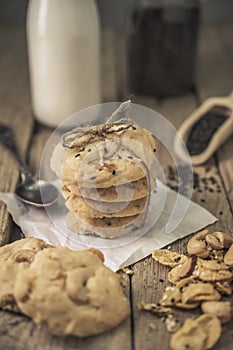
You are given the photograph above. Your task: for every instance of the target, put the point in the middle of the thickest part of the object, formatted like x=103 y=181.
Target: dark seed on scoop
x=77 y=155
x=114 y=172
x=204 y=129
x=220 y=213
x=129 y=157
x=134 y=128
x=89 y=150
x=203 y=200
x=93 y=178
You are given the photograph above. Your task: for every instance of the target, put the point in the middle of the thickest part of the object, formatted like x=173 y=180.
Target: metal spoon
x=38 y=193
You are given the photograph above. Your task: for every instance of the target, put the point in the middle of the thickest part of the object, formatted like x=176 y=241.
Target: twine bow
x=100 y=131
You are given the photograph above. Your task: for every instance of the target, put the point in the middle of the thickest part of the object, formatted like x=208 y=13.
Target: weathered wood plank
x=218 y=56
x=14 y=111
x=225 y=163
x=147 y=272
x=215 y=68
x=116 y=338
x=109 y=86
x=20 y=333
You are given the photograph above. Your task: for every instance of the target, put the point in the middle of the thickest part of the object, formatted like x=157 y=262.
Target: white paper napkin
x=122 y=251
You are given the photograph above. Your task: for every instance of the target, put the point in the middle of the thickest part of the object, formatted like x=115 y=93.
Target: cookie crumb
x=172 y=324
x=152 y=326
x=128 y=271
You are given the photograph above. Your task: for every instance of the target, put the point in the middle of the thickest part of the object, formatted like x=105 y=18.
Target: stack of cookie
x=107 y=176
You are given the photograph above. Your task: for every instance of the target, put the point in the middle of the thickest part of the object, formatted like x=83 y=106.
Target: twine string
x=69 y=137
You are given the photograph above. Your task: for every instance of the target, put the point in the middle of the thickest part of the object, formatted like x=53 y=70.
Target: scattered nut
x=224 y=287
x=188 y=306
x=209 y=275
x=213 y=265
x=216 y=254
x=199 y=292
x=197 y=280
x=155 y=308
x=171 y=296
x=198 y=246
x=219 y=240
x=188 y=267
x=174 y=274
x=168 y=258
x=228 y=258
x=211 y=325
x=189 y=336
x=199 y=334
x=215 y=240
x=128 y=271
x=221 y=309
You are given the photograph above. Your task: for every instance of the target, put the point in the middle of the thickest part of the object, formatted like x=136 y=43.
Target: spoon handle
x=8 y=140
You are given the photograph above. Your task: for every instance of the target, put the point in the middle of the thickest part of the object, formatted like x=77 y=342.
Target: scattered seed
x=204 y=129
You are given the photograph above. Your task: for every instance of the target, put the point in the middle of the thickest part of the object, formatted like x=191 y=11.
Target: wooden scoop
x=202 y=117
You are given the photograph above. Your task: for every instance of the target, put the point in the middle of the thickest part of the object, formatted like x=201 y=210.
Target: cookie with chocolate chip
x=71 y=292
x=16 y=257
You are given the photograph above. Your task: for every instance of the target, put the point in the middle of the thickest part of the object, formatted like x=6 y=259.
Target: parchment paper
x=122 y=252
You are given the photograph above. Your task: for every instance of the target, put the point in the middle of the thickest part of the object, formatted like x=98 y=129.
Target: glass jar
x=162 y=45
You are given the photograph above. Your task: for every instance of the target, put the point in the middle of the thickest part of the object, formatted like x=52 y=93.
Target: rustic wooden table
x=214 y=77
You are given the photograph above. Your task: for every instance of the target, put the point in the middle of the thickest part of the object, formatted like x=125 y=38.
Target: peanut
x=197 y=245
x=221 y=309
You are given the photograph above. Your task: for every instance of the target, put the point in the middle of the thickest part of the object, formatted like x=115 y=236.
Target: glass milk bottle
x=64 y=57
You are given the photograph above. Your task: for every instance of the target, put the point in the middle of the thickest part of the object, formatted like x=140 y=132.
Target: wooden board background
x=215 y=73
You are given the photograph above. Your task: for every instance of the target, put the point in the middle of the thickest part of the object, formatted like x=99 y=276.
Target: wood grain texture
x=148 y=272
x=115 y=339
x=15 y=112
x=148 y=282
x=219 y=54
